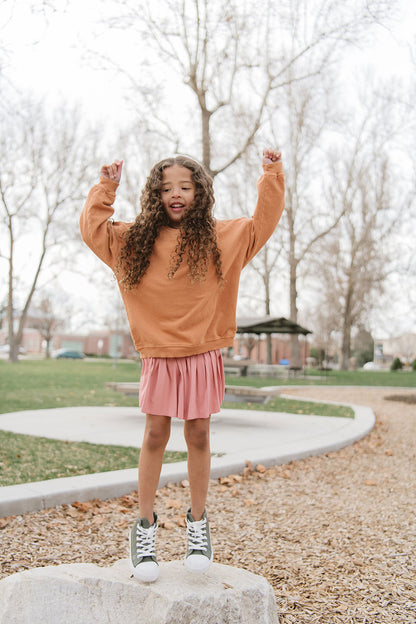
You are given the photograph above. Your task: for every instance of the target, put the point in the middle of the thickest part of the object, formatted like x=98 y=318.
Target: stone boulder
x=84 y=593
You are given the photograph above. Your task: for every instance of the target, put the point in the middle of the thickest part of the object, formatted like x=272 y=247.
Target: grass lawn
x=26 y=458
x=404 y=379
x=295 y=407
x=44 y=384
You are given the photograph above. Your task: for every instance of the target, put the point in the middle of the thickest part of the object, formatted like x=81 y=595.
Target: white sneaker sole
x=147 y=572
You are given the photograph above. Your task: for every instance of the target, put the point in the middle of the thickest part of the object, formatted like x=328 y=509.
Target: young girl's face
x=178 y=192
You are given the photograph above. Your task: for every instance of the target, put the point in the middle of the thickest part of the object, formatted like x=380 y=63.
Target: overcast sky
x=50 y=58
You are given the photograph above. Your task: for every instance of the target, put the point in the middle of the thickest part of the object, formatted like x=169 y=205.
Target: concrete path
x=266 y=438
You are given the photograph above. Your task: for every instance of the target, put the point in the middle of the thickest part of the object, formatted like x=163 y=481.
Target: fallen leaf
x=248 y=502
x=73 y=513
x=84 y=507
x=185 y=483
x=260 y=468
x=225 y=480
x=161 y=520
x=236 y=477
x=173 y=503
x=128 y=500
x=180 y=520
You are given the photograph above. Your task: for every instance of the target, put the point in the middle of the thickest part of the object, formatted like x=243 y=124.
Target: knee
x=197 y=436
x=156 y=436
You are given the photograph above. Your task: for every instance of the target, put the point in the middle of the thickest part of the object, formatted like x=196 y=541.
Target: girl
x=178 y=270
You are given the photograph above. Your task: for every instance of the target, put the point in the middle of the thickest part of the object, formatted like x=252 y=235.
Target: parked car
x=371 y=366
x=69 y=354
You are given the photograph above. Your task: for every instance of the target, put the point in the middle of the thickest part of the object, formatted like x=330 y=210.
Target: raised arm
x=100 y=234
x=270 y=202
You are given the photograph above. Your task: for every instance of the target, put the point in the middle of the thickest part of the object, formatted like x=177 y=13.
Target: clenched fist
x=113 y=171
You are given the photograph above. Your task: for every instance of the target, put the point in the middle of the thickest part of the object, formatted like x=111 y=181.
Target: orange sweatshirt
x=172 y=317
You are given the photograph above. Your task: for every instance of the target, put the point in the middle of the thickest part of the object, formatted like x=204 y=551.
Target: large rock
x=88 y=594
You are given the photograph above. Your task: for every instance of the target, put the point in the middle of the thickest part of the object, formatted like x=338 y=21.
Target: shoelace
x=197 y=535
x=145 y=541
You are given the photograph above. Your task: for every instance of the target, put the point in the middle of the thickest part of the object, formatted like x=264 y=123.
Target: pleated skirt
x=185 y=387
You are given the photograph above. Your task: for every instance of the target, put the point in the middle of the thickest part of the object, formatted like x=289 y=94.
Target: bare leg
x=199 y=462
x=155 y=439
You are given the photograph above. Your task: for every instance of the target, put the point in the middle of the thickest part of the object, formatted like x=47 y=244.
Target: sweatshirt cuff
x=108 y=185
x=274 y=167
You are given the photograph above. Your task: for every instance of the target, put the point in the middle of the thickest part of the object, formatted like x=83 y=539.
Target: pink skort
x=186 y=387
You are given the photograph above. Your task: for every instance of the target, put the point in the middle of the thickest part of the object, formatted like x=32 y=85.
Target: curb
x=27 y=497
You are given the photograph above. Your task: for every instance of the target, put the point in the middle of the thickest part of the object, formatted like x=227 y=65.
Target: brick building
x=250 y=341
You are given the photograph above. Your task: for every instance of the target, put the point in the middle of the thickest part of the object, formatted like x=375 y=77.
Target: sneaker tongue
x=145 y=523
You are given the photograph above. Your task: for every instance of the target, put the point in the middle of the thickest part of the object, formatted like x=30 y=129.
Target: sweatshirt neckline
x=171 y=230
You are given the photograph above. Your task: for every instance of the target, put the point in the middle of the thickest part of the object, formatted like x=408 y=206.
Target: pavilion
x=270 y=325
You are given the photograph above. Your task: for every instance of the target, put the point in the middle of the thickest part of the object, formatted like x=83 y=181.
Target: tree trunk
x=269 y=349
x=266 y=280
x=13 y=347
x=346 y=332
x=206 y=139
x=295 y=356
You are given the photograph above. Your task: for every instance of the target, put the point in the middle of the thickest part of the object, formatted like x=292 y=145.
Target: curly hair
x=197 y=240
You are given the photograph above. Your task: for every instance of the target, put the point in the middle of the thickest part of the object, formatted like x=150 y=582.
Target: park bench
x=236 y=367
x=130 y=388
x=238 y=394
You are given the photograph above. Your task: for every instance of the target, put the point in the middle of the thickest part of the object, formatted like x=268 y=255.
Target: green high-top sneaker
x=199 y=554
x=143 y=562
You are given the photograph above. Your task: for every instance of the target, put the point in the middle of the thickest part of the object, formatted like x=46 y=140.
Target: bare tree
x=265 y=266
x=237 y=197
x=223 y=61
x=231 y=65
x=46 y=322
x=250 y=342
x=306 y=129
x=7 y=17
x=356 y=258
x=44 y=170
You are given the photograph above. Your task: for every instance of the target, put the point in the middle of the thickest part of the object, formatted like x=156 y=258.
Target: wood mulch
x=335 y=535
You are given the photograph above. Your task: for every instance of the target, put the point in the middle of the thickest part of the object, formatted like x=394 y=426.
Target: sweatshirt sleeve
x=269 y=208
x=102 y=235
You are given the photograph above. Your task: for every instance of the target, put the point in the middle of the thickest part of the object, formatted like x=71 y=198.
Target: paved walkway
x=266 y=438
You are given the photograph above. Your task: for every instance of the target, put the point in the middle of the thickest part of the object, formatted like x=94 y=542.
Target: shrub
x=396 y=364
x=414 y=365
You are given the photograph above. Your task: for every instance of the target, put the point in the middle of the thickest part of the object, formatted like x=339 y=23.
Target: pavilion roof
x=269 y=325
